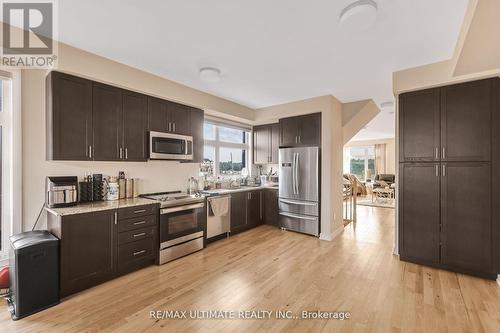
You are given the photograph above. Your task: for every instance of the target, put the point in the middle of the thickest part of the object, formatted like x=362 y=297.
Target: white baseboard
x=333 y=235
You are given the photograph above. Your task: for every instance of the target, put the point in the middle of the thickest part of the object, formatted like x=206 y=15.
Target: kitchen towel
x=219 y=206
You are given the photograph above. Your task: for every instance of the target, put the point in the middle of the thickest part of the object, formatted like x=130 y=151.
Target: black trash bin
x=34 y=272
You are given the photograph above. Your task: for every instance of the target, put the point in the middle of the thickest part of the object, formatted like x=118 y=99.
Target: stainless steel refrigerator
x=299 y=189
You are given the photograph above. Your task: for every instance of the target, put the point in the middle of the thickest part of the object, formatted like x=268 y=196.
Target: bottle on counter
x=136 y=187
x=122 y=188
x=113 y=189
x=129 y=188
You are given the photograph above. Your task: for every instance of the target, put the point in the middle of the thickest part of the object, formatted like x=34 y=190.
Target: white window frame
x=217 y=144
x=10 y=120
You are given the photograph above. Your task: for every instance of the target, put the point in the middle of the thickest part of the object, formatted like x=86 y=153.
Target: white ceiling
x=269 y=52
x=383 y=126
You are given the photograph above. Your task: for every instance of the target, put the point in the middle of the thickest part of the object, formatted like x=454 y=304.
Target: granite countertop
x=83 y=208
x=238 y=189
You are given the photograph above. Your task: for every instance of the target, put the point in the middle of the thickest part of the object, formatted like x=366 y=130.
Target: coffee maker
x=61 y=191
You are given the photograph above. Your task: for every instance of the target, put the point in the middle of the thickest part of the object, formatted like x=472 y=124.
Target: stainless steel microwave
x=167 y=146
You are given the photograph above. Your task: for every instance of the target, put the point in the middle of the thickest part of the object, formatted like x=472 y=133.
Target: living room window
x=226 y=149
x=361 y=162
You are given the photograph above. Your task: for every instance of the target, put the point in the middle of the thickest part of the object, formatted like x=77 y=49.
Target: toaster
x=61 y=191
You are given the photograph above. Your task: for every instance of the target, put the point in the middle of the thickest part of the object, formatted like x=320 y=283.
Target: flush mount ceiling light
x=359 y=15
x=210 y=74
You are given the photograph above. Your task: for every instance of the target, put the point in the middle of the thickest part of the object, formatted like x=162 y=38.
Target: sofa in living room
x=383 y=180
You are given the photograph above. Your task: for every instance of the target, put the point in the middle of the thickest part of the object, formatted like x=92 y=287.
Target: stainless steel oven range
x=182 y=224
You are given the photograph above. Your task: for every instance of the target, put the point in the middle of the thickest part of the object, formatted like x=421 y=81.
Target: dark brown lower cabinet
x=88 y=250
x=254 y=208
x=445 y=216
x=94 y=248
x=419 y=212
x=238 y=212
x=246 y=210
x=270 y=207
x=466 y=216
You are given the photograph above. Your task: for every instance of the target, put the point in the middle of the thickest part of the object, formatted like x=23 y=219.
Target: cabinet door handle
x=139 y=211
x=437 y=153
x=116 y=217
x=139 y=252
x=90 y=152
x=138 y=223
x=170 y=127
x=296 y=139
x=444 y=170
x=126 y=153
x=444 y=152
x=437 y=171
x=121 y=153
x=300 y=139
x=139 y=235
x=173 y=126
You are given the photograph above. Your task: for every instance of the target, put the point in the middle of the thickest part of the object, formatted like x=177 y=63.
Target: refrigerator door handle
x=297 y=174
x=296 y=186
x=301 y=203
x=296 y=216
x=293 y=174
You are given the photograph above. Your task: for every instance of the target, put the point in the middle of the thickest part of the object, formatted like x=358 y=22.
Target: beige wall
x=331 y=154
x=355 y=116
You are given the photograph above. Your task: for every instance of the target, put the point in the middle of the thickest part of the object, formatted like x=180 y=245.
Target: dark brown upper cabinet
x=300 y=131
x=92 y=121
x=169 y=117
x=266 y=143
x=419 y=209
x=179 y=118
x=135 y=125
x=197 y=119
x=466 y=121
x=452 y=123
x=466 y=231
x=69 y=117
x=107 y=122
x=419 y=126
x=261 y=144
x=157 y=115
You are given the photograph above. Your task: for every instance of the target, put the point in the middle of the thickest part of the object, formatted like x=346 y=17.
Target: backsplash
x=155 y=176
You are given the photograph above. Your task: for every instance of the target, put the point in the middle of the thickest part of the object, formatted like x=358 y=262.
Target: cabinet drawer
x=136 y=235
x=133 y=253
x=129 y=212
x=136 y=223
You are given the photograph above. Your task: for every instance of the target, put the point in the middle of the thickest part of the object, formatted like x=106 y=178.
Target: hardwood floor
x=269 y=269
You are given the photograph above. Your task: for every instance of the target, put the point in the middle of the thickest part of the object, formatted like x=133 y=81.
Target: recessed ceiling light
x=359 y=15
x=210 y=74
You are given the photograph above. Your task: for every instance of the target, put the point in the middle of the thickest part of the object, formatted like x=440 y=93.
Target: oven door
x=182 y=223
x=170 y=146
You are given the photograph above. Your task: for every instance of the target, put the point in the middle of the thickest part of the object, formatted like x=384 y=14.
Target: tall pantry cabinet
x=449 y=163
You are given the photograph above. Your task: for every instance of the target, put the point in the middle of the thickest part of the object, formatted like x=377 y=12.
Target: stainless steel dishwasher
x=218 y=224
